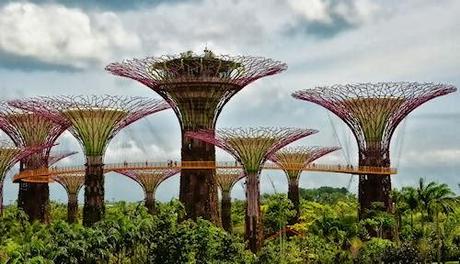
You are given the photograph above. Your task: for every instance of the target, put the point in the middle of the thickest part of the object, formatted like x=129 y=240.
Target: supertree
x=252 y=147
x=226 y=179
x=197 y=87
x=94 y=121
x=149 y=180
x=10 y=155
x=293 y=161
x=28 y=129
x=373 y=111
x=72 y=183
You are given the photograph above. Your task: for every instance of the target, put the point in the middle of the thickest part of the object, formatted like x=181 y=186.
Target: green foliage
x=278 y=209
x=128 y=235
x=425 y=225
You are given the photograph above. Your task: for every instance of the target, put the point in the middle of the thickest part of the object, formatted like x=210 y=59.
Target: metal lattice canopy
x=374 y=110
x=149 y=180
x=93 y=120
x=72 y=182
x=29 y=129
x=56 y=157
x=197 y=86
x=252 y=146
x=226 y=178
x=294 y=159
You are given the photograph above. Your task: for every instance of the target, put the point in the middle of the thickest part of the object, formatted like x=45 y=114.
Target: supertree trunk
x=253 y=221
x=198 y=188
x=94 y=208
x=226 y=211
x=374 y=188
x=72 y=208
x=33 y=198
x=294 y=197
x=150 y=202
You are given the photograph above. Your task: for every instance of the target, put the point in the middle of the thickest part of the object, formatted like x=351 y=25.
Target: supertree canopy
x=252 y=147
x=293 y=161
x=10 y=155
x=29 y=129
x=373 y=111
x=149 y=180
x=72 y=183
x=226 y=179
x=94 y=121
x=197 y=87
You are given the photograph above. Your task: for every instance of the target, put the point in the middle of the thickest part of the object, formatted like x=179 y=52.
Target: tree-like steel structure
x=72 y=183
x=28 y=129
x=10 y=155
x=226 y=179
x=149 y=180
x=252 y=147
x=197 y=87
x=94 y=121
x=293 y=161
x=373 y=111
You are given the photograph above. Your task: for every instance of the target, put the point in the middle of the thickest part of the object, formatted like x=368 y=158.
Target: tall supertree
x=252 y=147
x=72 y=183
x=293 y=161
x=94 y=121
x=149 y=180
x=226 y=178
x=373 y=111
x=197 y=87
x=10 y=155
x=28 y=129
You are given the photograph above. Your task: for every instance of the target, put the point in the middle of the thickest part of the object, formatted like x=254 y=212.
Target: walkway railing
x=42 y=173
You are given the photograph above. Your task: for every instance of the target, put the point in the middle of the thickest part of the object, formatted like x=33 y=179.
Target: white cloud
x=64 y=36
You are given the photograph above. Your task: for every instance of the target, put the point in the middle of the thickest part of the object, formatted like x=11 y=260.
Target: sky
x=55 y=47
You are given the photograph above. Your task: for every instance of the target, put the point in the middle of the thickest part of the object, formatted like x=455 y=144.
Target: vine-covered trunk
x=294 y=197
x=253 y=221
x=94 y=208
x=72 y=208
x=374 y=189
x=1 y=195
x=150 y=202
x=33 y=198
x=198 y=188
x=226 y=211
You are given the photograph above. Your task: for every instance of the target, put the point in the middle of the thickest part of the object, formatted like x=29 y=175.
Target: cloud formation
x=54 y=34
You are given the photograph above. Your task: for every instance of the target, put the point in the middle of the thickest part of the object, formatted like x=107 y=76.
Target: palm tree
x=409 y=196
x=435 y=199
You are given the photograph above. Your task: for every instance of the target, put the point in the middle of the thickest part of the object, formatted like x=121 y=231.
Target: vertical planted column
x=197 y=87
x=29 y=129
x=226 y=178
x=149 y=180
x=72 y=183
x=94 y=121
x=10 y=155
x=252 y=147
x=293 y=160
x=373 y=111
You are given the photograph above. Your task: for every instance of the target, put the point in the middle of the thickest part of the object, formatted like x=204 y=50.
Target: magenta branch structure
x=149 y=180
x=58 y=156
x=373 y=111
x=72 y=183
x=197 y=88
x=293 y=161
x=252 y=147
x=10 y=155
x=94 y=121
x=28 y=129
x=226 y=179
